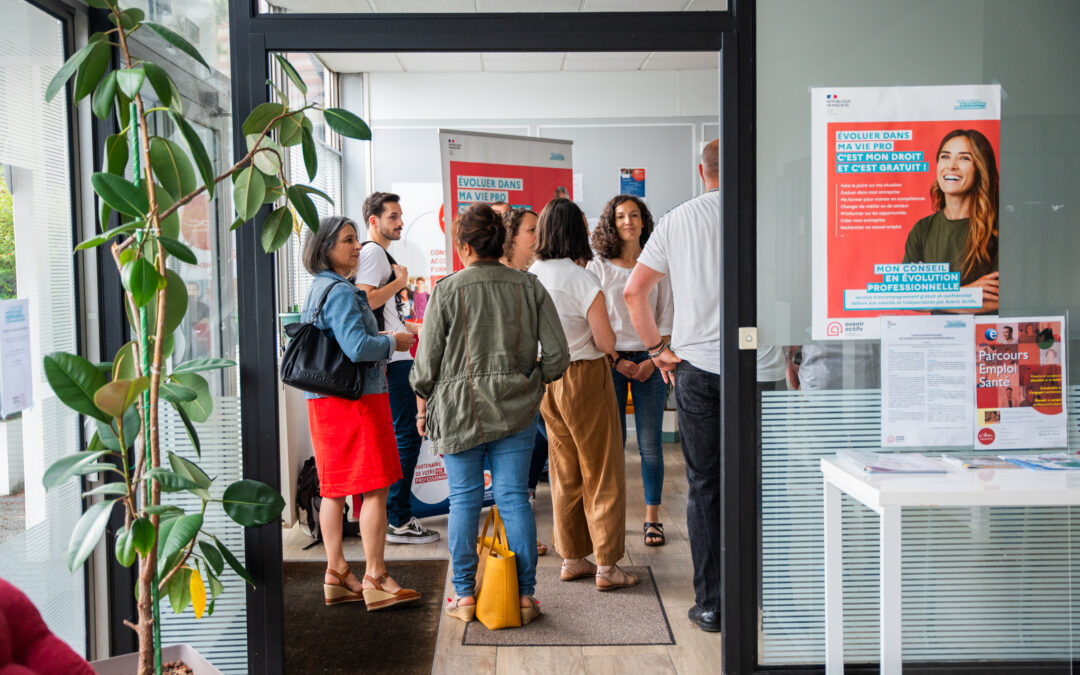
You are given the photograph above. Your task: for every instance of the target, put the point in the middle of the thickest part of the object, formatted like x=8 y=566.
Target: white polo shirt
x=686 y=246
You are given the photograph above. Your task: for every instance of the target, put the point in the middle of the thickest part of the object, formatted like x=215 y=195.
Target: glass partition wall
x=996 y=585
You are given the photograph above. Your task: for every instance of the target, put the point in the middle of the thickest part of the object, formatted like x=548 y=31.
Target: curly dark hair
x=512 y=222
x=605 y=236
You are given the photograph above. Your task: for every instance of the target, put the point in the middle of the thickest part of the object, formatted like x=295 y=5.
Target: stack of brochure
x=1054 y=461
x=980 y=462
x=889 y=462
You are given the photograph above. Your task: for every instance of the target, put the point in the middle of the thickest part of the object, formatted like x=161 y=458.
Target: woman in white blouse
x=624 y=227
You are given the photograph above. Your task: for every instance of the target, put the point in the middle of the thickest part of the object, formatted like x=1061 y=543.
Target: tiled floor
x=694 y=651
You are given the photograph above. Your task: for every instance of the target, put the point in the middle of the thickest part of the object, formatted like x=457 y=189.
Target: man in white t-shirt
x=685 y=246
x=382 y=279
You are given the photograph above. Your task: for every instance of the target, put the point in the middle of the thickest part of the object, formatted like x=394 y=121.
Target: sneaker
x=412 y=532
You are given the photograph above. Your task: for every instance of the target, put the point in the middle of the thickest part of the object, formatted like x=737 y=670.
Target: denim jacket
x=347 y=317
x=476 y=362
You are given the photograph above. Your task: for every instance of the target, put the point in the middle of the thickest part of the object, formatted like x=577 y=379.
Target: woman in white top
x=624 y=227
x=585 y=458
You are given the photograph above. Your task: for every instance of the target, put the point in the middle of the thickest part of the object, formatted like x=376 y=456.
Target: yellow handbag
x=497 y=603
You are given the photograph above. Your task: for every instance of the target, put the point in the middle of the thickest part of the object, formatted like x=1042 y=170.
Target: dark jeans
x=403 y=410
x=697 y=393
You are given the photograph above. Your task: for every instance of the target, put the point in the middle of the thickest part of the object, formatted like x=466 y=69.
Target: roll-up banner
x=901 y=176
x=524 y=171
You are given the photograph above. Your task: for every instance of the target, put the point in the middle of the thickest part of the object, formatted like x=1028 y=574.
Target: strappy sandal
x=541 y=548
x=604 y=581
x=464 y=612
x=338 y=593
x=530 y=613
x=566 y=574
x=378 y=598
x=654 y=535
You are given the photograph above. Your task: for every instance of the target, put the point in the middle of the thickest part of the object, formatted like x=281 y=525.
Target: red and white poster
x=1020 y=383
x=904 y=198
x=524 y=171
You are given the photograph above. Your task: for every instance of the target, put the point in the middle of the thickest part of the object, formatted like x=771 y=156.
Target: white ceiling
x=474 y=6
x=528 y=62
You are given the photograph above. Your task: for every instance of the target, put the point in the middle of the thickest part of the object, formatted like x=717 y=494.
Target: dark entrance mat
x=347 y=638
x=576 y=614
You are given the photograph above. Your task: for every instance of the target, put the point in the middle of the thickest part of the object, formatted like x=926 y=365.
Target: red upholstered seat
x=27 y=647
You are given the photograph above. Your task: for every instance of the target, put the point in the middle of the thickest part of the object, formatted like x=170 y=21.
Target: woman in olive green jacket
x=479 y=385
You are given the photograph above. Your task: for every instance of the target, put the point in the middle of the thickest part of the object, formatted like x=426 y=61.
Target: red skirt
x=354 y=443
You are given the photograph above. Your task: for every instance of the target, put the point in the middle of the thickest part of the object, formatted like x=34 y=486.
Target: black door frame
x=254 y=36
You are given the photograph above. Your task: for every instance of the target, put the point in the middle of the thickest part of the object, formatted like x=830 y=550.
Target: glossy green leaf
x=142 y=280
x=130 y=80
x=171 y=166
x=87 y=532
x=116 y=154
x=102 y=101
x=169 y=480
x=216 y=589
x=179 y=590
x=347 y=124
x=176 y=300
x=189 y=470
x=143 y=535
x=126 y=363
x=307 y=189
x=128 y=18
x=182 y=533
x=198 y=151
x=193 y=435
x=261 y=117
x=115 y=489
x=176 y=40
x=102 y=4
x=163 y=510
x=212 y=557
x=237 y=223
x=67 y=70
x=198 y=410
x=125 y=548
x=267 y=157
x=91 y=70
x=304 y=207
x=120 y=194
x=291 y=72
x=276 y=229
x=292 y=129
x=163 y=86
x=132 y=424
x=198 y=365
x=248 y=193
x=117 y=396
x=170 y=227
x=311 y=158
x=66 y=467
x=178 y=250
x=175 y=393
x=74 y=380
x=234 y=563
x=252 y=502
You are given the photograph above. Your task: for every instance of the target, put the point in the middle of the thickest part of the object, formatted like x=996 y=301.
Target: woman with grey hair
x=353 y=441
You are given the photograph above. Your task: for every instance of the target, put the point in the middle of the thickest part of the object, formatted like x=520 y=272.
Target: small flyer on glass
x=1020 y=383
x=891 y=165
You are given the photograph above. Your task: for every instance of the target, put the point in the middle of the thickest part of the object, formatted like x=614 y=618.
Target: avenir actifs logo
x=834 y=329
x=990 y=334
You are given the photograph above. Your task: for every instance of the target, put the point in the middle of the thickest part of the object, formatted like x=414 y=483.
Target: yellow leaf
x=198 y=594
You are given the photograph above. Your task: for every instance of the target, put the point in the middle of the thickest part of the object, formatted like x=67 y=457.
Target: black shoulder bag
x=314 y=361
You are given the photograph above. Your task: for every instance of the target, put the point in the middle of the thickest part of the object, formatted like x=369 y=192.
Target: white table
x=887 y=495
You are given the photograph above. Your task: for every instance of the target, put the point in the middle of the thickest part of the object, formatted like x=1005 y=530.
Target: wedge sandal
x=379 y=598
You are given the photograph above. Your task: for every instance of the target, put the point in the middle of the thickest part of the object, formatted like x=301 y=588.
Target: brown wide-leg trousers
x=585 y=463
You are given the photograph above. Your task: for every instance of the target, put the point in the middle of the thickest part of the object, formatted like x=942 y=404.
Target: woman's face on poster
x=956 y=166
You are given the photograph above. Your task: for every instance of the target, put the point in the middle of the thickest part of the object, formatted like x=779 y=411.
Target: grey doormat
x=347 y=639
x=576 y=614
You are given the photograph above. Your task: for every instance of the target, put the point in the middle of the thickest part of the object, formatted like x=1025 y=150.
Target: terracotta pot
x=128 y=663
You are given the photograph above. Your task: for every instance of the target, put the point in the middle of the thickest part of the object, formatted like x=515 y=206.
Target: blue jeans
x=698 y=395
x=508 y=459
x=648 y=421
x=403 y=410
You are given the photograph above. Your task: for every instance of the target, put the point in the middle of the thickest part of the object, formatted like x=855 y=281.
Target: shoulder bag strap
x=322 y=300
